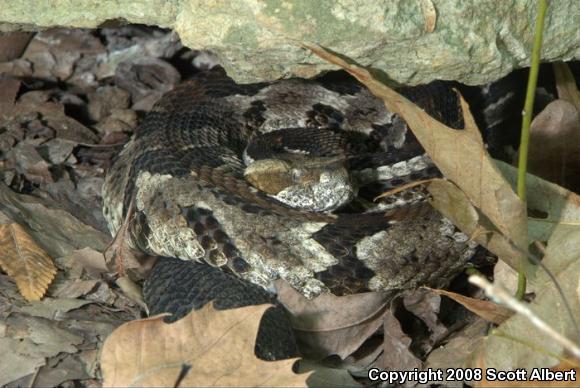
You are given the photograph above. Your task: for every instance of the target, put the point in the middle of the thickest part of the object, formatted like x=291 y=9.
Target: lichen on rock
x=412 y=42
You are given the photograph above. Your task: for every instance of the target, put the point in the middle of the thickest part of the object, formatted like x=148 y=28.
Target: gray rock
x=411 y=41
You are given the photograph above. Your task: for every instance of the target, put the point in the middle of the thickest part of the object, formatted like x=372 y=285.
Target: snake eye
x=296 y=174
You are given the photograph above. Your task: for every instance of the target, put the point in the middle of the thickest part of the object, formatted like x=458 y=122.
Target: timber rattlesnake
x=186 y=172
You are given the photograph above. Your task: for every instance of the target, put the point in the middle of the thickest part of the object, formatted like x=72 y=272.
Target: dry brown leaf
x=368 y=356
x=487 y=310
x=28 y=343
x=118 y=256
x=517 y=342
x=460 y=155
x=53 y=114
x=552 y=154
x=426 y=306
x=51 y=308
x=429 y=14
x=457 y=349
x=396 y=352
x=132 y=291
x=553 y=206
x=506 y=277
x=91 y=260
x=332 y=324
x=8 y=90
x=218 y=347
x=566 y=84
x=74 y=289
x=25 y=262
x=12 y=44
x=55 y=230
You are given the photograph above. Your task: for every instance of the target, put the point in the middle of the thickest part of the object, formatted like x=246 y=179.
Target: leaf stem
x=526 y=121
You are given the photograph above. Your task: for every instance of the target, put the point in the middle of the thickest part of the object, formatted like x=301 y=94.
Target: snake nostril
x=296 y=175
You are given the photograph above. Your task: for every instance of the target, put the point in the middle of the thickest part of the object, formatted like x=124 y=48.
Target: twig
x=33 y=379
x=88 y=145
x=401 y=188
x=526 y=121
x=538 y=261
x=182 y=374
x=118 y=247
x=500 y=295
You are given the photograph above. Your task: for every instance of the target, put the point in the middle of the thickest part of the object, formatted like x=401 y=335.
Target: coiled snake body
x=185 y=168
x=276 y=180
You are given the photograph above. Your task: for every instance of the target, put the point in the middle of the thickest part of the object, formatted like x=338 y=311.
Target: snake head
x=318 y=184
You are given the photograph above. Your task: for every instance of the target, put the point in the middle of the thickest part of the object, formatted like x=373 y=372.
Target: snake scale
x=190 y=175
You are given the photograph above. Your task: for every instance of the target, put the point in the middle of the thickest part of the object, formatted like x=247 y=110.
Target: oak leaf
x=25 y=262
x=207 y=347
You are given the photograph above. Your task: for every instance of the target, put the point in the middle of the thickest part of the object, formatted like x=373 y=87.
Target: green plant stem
x=526 y=121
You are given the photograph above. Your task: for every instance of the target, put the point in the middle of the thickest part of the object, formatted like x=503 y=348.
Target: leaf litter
x=59 y=115
x=59 y=141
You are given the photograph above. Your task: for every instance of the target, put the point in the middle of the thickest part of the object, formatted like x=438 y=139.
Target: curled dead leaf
x=426 y=306
x=332 y=324
x=487 y=310
x=396 y=352
x=566 y=84
x=211 y=347
x=25 y=262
